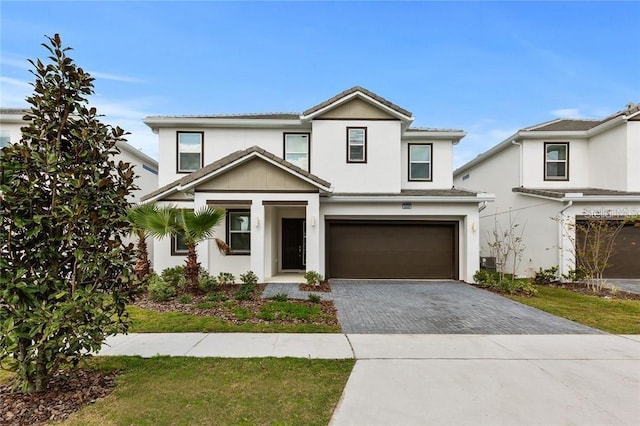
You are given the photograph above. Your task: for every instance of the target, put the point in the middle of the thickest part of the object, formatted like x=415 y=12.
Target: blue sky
x=488 y=68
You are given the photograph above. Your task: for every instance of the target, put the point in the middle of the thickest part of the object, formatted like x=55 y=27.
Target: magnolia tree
x=64 y=270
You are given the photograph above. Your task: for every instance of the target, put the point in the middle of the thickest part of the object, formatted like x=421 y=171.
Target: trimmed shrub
x=159 y=290
x=175 y=276
x=313 y=278
x=546 y=276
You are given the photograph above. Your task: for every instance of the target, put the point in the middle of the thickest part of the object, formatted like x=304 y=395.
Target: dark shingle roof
x=564 y=125
x=412 y=193
x=235 y=156
x=249 y=116
x=14 y=111
x=562 y=192
x=362 y=90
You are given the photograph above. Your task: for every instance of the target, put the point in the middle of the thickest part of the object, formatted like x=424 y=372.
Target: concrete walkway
x=447 y=379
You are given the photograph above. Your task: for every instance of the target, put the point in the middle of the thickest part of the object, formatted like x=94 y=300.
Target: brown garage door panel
x=625 y=259
x=392 y=250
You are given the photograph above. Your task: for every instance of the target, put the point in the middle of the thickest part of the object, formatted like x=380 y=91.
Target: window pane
x=299 y=160
x=190 y=142
x=556 y=152
x=356 y=136
x=180 y=246
x=556 y=169
x=297 y=143
x=239 y=221
x=420 y=152
x=5 y=138
x=420 y=171
x=356 y=153
x=189 y=161
x=241 y=241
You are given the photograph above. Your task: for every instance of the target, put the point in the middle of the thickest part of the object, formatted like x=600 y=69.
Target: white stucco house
x=146 y=168
x=346 y=188
x=548 y=176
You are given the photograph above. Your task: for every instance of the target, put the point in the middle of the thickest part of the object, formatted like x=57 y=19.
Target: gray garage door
x=625 y=260
x=392 y=249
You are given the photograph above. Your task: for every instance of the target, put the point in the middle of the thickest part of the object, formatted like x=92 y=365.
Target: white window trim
x=350 y=143
x=547 y=161
x=429 y=162
x=179 y=168
x=307 y=152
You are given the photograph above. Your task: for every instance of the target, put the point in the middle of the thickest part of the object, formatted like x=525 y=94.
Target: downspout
x=561 y=237
x=513 y=142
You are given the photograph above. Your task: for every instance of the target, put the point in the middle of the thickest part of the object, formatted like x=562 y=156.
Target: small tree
x=64 y=270
x=506 y=245
x=137 y=217
x=193 y=227
x=592 y=243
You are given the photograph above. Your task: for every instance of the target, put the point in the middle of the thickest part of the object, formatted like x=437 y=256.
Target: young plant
x=280 y=297
x=313 y=278
x=546 y=276
x=249 y=278
x=159 y=290
x=224 y=278
x=315 y=298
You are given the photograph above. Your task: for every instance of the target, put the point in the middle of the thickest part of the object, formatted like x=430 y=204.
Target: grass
x=150 y=321
x=610 y=315
x=215 y=391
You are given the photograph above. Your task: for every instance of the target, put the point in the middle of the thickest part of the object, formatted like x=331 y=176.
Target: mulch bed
x=228 y=291
x=67 y=393
x=604 y=292
x=324 y=286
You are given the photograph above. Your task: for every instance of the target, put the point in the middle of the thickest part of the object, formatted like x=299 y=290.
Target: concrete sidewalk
x=447 y=379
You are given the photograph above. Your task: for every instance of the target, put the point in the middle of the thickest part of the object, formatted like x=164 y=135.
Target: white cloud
x=479 y=139
x=567 y=113
x=113 y=77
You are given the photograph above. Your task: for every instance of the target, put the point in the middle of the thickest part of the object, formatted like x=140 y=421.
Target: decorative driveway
x=432 y=307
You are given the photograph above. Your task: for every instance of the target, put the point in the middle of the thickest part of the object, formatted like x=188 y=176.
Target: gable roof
x=557 y=128
x=577 y=194
x=357 y=91
x=230 y=161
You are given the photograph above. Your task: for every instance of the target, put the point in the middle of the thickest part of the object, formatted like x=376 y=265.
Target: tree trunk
x=142 y=264
x=192 y=268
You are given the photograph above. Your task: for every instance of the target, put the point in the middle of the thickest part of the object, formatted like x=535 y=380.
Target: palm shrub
x=137 y=217
x=194 y=227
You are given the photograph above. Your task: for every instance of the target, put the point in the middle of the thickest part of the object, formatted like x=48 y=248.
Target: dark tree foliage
x=65 y=274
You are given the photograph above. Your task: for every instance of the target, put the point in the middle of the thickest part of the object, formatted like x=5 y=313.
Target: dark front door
x=293 y=244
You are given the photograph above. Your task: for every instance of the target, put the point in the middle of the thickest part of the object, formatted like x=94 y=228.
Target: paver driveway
x=432 y=307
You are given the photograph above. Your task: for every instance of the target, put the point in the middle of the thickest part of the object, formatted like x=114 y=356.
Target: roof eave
x=454 y=136
x=478 y=198
x=199 y=122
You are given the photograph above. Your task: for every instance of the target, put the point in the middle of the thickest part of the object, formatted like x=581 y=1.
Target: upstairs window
x=5 y=138
x=556 y=164
x=420 y=162
x=189 y=151
x=239 y=231
x=296 y=149
x=356 y=144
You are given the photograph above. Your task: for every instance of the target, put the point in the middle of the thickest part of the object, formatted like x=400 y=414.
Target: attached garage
x=392 y=249
x=625 y=260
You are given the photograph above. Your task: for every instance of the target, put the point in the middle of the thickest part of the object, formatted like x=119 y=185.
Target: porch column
x=313 y=234
x=257 y=238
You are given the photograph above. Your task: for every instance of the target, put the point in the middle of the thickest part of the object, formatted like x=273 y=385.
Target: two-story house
x=346 y=188
x=550 y=176
x=145 y=167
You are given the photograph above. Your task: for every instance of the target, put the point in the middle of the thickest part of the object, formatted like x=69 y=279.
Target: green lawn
x=215 y=391
x=610 y=315
x=150 y=321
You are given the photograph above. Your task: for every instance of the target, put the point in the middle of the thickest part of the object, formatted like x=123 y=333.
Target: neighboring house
x=347 y=188
x=553 y=174
x=145 y=167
